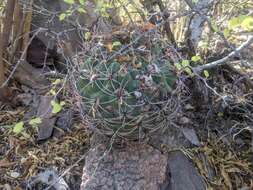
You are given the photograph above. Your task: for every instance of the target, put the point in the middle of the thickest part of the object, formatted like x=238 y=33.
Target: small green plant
x=36 y=121
x=243 y=22
x=57 y=107
x=101 y=7
x=206 y=73
x=19 y=127
x=184 y=66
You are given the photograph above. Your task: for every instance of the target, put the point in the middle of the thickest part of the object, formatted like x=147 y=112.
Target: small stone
x=184 y=120
x=189 y=107
x=14 y=174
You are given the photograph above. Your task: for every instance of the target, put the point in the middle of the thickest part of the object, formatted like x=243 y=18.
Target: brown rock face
x=136 y=167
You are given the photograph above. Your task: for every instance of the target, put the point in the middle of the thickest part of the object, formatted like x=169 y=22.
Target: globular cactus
x=126 y=99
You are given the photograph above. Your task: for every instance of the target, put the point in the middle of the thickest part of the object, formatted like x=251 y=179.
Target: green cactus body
x=123 y=100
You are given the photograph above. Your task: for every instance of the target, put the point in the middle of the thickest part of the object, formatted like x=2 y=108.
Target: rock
x=14 y=174
x=184 y=121
x=38 y=55
x=45 y=113
x=63 y=123
x=191 y=135
x=137 y=166
x=183 y=174
x=31 y=77
x=6 y=187
x=47 y=178
x=64 y=120
x=188 y=107
x=170 y=137
x=25 y=99
x=65 y=31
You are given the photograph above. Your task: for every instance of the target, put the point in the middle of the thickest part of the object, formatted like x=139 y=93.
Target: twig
x=224 y=59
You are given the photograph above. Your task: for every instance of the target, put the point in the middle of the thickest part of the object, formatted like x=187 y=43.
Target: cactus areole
x=126 y=99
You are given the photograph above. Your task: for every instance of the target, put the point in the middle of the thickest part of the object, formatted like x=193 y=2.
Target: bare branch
x=195 y=27
x=225 y=59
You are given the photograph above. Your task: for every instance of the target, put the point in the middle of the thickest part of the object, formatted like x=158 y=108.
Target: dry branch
x=18 y=22
x=5 y=35
x=167 y=27
x=225 y=59
x=1 y=62
x=27 y=27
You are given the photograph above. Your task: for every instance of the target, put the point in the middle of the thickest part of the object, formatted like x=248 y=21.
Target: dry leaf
x=226 y=178
x=147 y=26
x=121 y=59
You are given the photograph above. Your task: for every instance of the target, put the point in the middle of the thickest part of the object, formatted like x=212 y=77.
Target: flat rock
x=183 y=174
x=45 y=113
x=134 y=167
x=171 y=137
x=31 y=77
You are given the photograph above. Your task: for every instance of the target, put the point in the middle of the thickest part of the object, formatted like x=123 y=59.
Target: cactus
x=126 y=99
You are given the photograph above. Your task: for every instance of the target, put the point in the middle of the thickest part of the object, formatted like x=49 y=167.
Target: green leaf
x=188 y=70
x=220 y=114
x=115 y=44
x=62 y=103
x=247 y=23
x=178 y=66
x=81 y=10
x=52 y=92
x=62 y=16
x=19 y=127
x=35 y=121
x=87 y=36
x=26 y=135
x=57 y=81
x=214 y=27
x=69 y=1
x=236 y=21
x=226 y=32
x=82 y=2
x=69 y=11
x=56 y=107
x=196 y=58
x=206 y=73
x=203 y=44
x=185 y=63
